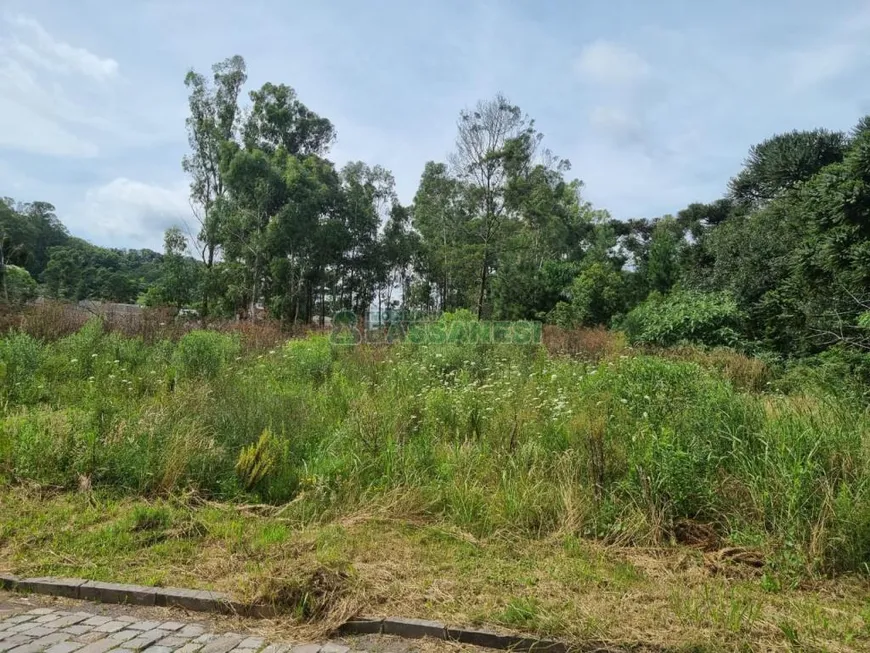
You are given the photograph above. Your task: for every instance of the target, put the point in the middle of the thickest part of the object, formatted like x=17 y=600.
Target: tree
x=784 y=160
x=16 y=241
x=595 y=296
x=18 y=286
x=257 y=193
x=662 y=265
x=178 y=282
x=442 y=217
x=279 y=119
x=212 y=123
x=479 y=163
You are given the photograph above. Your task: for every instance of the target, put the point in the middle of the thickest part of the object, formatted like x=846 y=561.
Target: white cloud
x=50 y=92
x=47 y=52
x=130 y=213
x=28 y=131
x=621 y=126
x=604 y=62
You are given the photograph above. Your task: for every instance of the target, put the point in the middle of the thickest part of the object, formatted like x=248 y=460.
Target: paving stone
x=89 y=637
x=111 y=627
x=100 y=646
x=131 y=620
x=251 y=642
x=158 y=649
x=276 y=648
x=205 y=637
x=21 y=627
x=171 y=625
x=192 y=630
x=173 y=641
x=192 y=647
x=46 y=618
x=145 y=639
x=144 y=625
x=64 y=647
x=18 y=618
x=41 y=611
x=306 y=648
x=39 y=644
x=333 y=647
x=98 y=621
x=222 y=644
x=38 y=631
x=77 y=630
x=69 y=620
x=11 y=642
x=124 y=635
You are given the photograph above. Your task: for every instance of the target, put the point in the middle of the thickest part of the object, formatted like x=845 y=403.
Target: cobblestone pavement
x=79 y=627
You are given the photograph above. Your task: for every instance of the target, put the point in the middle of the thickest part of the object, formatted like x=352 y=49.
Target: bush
x=202 y=354
x=20 y=287
x=685 y=317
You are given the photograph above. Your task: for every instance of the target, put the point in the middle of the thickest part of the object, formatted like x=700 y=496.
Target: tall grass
x=488 y=438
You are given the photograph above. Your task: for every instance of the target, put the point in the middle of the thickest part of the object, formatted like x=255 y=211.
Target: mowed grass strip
x=379 y=563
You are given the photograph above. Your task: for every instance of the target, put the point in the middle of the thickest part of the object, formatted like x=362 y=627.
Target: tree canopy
x=499 y=227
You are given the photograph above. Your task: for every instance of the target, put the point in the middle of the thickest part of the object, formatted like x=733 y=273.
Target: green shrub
x=19 y=287
x=203 y=354
x=685 y=317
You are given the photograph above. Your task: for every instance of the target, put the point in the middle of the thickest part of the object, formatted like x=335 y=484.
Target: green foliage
x=685 y=317
x=19 y=287
x=309 y=359
x=203 y=354
x=257 y=461
x=20 y=358
x=782 y=161
x=150 y=518
x=485 y=437
x=596 y=295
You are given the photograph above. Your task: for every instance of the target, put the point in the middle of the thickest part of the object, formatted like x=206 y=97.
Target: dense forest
x=781 y=262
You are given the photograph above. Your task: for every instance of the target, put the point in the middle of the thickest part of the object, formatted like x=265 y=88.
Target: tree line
x=500 y=228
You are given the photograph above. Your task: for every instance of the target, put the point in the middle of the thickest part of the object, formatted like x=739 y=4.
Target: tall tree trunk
x=206 y=286
x=483 y=276
x=3 y=275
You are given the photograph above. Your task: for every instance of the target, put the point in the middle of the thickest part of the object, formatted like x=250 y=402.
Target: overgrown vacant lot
x=687 y=499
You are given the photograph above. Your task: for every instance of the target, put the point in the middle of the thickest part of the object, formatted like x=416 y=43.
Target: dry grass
x=380 y=562
x=588 y=344
x=51 y=320
x=744 y=372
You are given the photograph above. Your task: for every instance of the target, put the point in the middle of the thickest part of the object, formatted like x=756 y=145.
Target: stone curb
x=207 y=601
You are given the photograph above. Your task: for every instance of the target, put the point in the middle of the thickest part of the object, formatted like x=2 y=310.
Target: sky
x=655 y=103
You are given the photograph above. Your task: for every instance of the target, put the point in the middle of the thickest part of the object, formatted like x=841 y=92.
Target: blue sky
x=654 y=103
